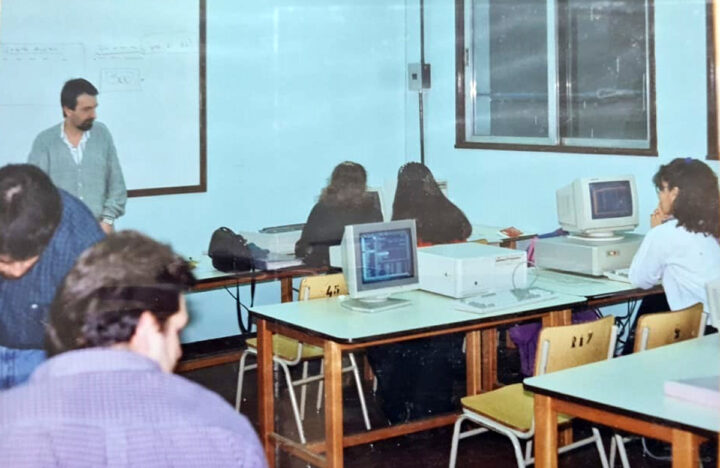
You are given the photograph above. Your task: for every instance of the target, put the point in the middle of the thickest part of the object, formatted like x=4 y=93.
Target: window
x=556 y=75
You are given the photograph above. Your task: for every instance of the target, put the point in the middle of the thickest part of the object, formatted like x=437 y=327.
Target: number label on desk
x=580 y=341
x=332 y=290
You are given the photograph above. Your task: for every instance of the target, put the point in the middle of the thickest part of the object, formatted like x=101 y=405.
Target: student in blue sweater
x=42 y=232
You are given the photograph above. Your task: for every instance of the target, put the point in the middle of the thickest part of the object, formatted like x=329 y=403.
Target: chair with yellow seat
x=653 y=331
x=509 y=410
x=288 y=352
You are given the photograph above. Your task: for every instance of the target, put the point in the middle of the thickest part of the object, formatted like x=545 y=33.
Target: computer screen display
x=386 y=255
x=611 y=199
x=379 y=259
x=598 y=206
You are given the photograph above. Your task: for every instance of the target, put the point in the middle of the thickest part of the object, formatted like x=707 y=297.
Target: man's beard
x=86 y=125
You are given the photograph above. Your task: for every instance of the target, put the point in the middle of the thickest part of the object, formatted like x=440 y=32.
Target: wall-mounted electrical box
x=418 y=76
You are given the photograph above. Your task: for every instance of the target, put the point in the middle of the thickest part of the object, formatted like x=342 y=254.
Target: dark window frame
x=462 y=142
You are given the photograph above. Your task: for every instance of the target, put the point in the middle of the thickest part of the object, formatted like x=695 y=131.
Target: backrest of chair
x=574 y=345
x=315 y=287
x=660 y=329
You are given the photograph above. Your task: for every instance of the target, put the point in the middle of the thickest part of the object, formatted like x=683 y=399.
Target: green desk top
x=326 y=318
x=633 y=385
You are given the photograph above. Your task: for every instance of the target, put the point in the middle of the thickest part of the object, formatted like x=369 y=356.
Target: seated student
x=344 y=201
x=416 y=377
x=681 y=250
x=107 y=396
x=419 y=197
x=42 y=232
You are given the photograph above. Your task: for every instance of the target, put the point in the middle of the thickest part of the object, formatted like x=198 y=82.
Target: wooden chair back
x=574 y=345
x=654 y=330
x=316 y=287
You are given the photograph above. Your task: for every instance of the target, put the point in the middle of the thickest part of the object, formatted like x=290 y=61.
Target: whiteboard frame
x=202 y=163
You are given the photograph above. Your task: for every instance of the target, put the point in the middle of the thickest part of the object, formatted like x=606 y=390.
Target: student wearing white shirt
x=681 y=250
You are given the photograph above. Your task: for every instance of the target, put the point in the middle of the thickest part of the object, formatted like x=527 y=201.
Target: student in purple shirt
x=107 y=395
x=42 y=232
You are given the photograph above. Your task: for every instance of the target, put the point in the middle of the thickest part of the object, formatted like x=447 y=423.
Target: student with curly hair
x=681 y=250
x=344 y=201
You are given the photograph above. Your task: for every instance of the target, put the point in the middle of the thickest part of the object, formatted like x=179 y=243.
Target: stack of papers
x=277 y=261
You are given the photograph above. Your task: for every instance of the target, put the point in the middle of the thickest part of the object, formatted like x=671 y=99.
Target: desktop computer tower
x=588 y=257
x=469 y=269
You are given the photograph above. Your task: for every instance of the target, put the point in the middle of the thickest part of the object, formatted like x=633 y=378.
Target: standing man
x=107 y=396
x=42 y=232
x=79 y=155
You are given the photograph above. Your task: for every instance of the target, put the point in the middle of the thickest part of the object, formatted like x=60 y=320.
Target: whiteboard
x=145 y=57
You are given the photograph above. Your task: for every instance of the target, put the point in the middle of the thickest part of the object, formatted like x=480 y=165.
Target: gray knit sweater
x=97 y=180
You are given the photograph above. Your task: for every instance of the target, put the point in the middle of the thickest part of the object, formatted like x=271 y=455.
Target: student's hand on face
x=657 y=217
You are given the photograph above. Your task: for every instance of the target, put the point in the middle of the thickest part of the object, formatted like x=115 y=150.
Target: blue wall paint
x=292 y=91
x=518 y=188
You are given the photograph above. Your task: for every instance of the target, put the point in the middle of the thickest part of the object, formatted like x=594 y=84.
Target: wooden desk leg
x=557 y=318
x=286 y=292
x=333 y=405
x=546 y=444
x=488 y=357
x=472 y=362
x=685 y=449
x=266 y=403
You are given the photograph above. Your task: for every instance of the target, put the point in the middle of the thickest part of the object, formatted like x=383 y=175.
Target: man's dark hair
x=697 y=206
x=30 y=210
x=102 y=298
x=74 y=88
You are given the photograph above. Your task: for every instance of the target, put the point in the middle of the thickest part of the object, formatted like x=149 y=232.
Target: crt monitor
x=379 y=259
x=595 y=208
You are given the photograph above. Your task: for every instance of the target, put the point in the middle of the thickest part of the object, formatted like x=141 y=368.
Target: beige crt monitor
x=596 y=211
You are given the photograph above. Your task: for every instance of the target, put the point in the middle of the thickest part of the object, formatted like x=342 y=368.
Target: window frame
x=463 y=41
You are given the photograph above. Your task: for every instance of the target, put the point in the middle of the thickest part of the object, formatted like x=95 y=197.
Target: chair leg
x=303 y=391
x=455 y=440
x=600 y=447
x=613 y=446
x=361 y=394
x=293 y=401
x=528 y=451
x=621 y=450
x=517 y=449
x=320 y=387
x=241 y=374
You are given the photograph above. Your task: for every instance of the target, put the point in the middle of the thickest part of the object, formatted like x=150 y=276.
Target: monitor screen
x=611 y=199
x=598 y=207
x=379 y=259
x=386 y=255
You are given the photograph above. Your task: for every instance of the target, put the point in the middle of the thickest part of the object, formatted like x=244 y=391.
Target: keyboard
x=494 y=301
x=621 y=274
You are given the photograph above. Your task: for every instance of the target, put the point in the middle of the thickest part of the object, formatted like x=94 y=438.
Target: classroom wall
x=291 y=91
x=294 y=88
x=518 y=188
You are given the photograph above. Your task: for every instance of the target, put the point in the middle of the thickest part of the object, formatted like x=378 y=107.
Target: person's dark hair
x=30 y=210
x=74 y=88
x=102 y=298
x=347 y=185
x=419 y=197
x=697 y=206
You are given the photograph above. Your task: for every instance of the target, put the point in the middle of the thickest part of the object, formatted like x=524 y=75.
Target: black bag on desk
x=229 y=251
